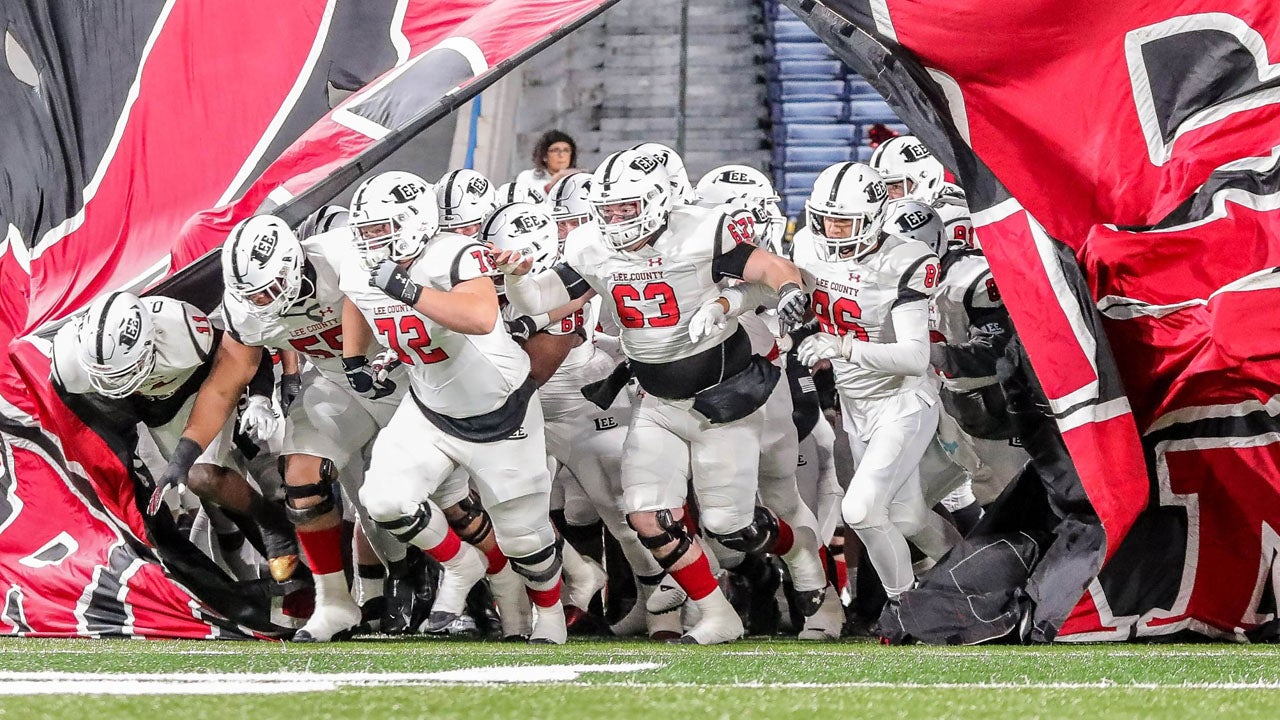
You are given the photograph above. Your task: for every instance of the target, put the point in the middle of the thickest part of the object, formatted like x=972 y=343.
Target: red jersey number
x=742 y=229
x=315 y=346
x=628 y=298
x=412 y=331
x=572 y=323
x=838 y=318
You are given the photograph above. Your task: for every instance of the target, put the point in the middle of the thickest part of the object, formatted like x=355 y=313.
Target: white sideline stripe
x=49 y=683
x=61 y=683
x=1047 y=652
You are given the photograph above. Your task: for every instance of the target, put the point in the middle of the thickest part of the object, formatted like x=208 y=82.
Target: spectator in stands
x=554 y=156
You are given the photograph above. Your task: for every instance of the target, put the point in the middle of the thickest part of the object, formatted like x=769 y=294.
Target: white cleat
x=514 y=608
x=664 y=627
x=549 y=626
x=718 y=622
x=827 y=622
x=667 y=595
x=579 y=589
x=333 y=621
x=809 y=577
x=633 y=623
x=459 y=576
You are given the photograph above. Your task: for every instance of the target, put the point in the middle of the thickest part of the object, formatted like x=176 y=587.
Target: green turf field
x=750 y=679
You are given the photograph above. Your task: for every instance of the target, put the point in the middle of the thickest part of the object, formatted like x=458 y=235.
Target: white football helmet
x=913 y=220
x=910 y=171
x=850 y=192
x=630 y=198
x=728 y=183
x=681 y=190
x=262 y=266
x=525 y=228
x=328 y=217
x=117 y=344
x=464 y=198
x=392 y=217
x=568 y=201
x=514 y=192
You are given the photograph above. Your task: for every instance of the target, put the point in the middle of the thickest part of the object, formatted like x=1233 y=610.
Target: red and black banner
x=1122 y=162
x=150 y=129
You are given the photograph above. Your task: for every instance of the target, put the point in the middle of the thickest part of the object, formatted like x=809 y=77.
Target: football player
x=870 y=297
x=969 y=329
x=583 y=437
x=464 y=198
x=282 y=292
x=750 y=198
x=702 y=401
x=912 y=172
x=472 y=404
x=152 y=355
x=511 y=192
x=568 y=204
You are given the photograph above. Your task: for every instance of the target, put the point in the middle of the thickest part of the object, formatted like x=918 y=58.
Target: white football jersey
x=857 y=297
x=655 y=290
x=452 y=373
x=313 y=326
x=184 y=341
x=968 y=290
x=956 y=223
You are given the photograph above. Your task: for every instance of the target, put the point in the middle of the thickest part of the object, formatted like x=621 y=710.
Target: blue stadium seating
x=820 y=110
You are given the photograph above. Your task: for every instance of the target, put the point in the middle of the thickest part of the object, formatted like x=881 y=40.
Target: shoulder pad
x=64 y=365
x=184 y=334
x=451 y=259
x=919 y=270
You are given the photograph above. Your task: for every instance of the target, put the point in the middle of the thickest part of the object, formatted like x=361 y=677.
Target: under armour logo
x=1192 y=71
x=855 y=277
x=655 y=262
x=605 y=423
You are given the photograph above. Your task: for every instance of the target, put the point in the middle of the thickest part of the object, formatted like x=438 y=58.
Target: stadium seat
x=793 y=31
x=805 y=90
x=871 y=111
x=806 y=70
x=808 y=111
x=858 y=89
x=815 y=134
x=800 y=51
x=812 y=159
x=802 y=181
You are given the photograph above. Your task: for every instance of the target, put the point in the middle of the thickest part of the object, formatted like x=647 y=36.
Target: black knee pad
x=302 y=516
x=407 y=528
x=472 y=510
x=756 y=538
x=672 y=531
x=528 y=566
